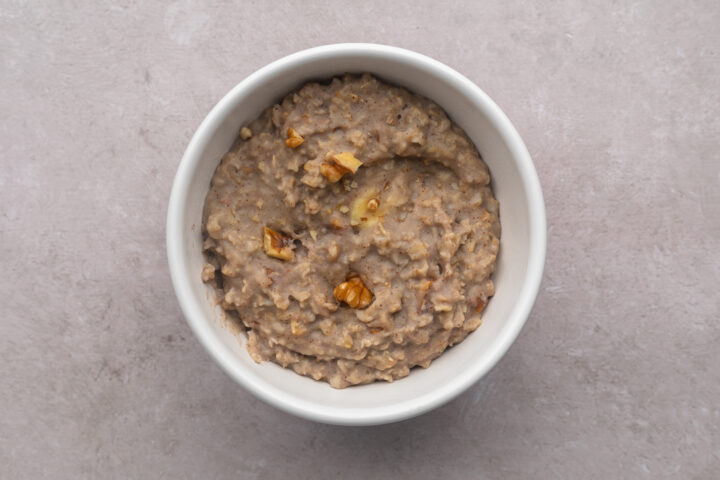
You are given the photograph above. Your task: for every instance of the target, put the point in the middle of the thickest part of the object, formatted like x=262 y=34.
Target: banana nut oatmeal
x=353 y=231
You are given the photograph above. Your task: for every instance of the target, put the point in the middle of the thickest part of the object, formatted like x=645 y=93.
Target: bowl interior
x=519 y=265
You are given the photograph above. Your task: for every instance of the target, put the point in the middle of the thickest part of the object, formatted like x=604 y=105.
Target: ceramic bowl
x=519 y=266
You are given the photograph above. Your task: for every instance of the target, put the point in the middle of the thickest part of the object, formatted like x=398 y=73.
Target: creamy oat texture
x=416 y=224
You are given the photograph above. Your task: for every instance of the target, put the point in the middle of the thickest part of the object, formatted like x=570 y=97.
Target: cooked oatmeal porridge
x=353 y=232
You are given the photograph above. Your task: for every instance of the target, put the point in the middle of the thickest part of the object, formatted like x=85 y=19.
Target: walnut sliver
x=342 y=164
x=354 y=293
x=246 y=133
x=277 y=245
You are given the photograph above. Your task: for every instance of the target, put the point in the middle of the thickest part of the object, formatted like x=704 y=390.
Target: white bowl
x=519 y=266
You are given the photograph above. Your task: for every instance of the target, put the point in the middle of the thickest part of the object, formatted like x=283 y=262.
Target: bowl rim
x=351 y=415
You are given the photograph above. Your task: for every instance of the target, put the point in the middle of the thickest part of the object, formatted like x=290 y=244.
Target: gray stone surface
x=617 y=373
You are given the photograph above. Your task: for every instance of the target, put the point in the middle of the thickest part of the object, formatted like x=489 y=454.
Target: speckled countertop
x=617 y=372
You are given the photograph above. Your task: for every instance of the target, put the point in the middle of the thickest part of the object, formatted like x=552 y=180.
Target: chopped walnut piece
x=347 y=160
x=294 y=139
x=353 y=292
x=333 y=173
x=343 y=163
x=245 y=133
x=277 y=245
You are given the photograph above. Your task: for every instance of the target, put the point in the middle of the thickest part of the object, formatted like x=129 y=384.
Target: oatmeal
x=353 y=232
